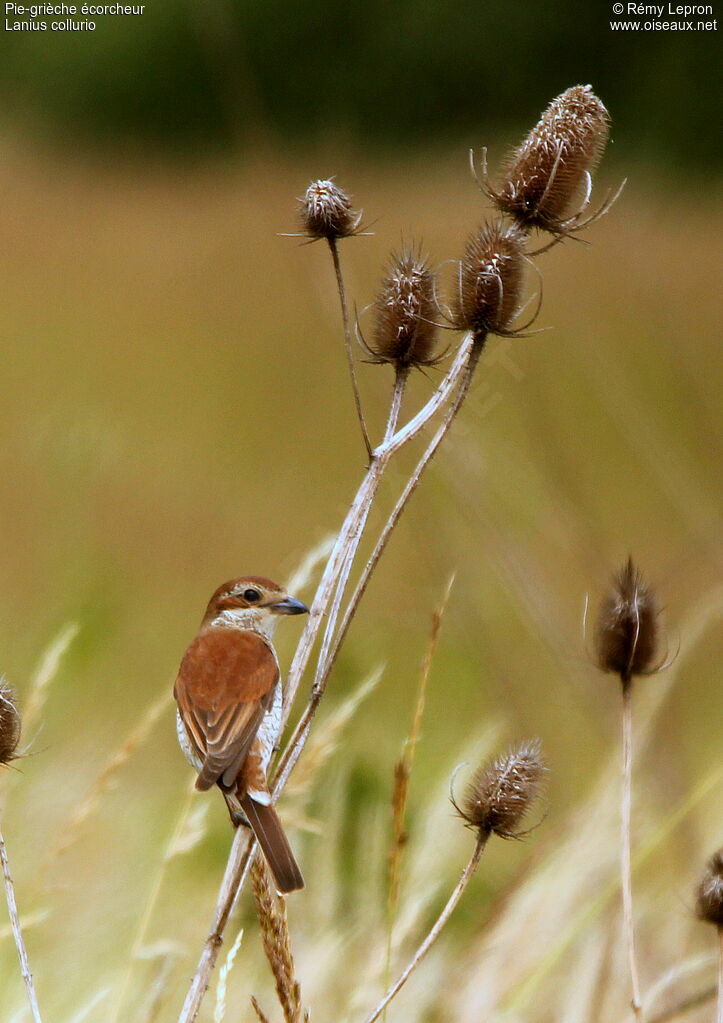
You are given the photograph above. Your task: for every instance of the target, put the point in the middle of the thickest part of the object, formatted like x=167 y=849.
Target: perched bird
x=228 y=693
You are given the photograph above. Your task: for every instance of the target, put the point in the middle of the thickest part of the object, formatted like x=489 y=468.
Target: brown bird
x=229 y=709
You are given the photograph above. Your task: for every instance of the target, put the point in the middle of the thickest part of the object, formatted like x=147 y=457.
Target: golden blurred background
x=175 y=410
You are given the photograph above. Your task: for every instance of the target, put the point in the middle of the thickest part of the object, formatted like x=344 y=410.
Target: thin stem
x=401 y=504
x=464 y=353
x=400 y=382
x=18 y=934
x=333 y=246
x=402 y=781
x=365 y=494
x=344 y=549
x=720 y=975
x=237 y=867
x=625 y=864
x=436 y=930
x=298 y=740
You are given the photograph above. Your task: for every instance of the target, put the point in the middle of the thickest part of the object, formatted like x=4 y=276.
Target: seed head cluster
x=326 y=212
x=502 y=792
x=9 y=723
x=490 y=279
x=710 y=892
x=548 y=172
x=405 y=308
x=627 y=627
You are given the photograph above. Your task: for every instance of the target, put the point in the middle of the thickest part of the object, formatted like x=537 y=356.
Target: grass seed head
x=502 y=792
x=490 y=279
x=326 y=212
x=710 y=892
x=627 y=627
x=405 y=308
x=548 y=172
x=9 y=723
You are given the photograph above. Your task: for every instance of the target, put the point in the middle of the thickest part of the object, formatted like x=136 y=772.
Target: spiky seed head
x=326 y=212
x=404 y=329
x=9 y=723
x=710 y=892
x=501 y=792
x=490 y=279
x=547 y=173
x=627 y=626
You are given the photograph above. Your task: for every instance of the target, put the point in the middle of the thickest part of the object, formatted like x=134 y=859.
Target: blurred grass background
x=175 y=410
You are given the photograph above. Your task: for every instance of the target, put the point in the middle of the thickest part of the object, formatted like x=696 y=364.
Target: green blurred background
x=175 y=408
x=381 y=75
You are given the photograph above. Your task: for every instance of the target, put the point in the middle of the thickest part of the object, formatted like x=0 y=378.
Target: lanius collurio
x=228 y=693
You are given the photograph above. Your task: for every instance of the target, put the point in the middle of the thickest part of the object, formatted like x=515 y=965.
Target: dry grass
x=178 y=347
x=274 y=928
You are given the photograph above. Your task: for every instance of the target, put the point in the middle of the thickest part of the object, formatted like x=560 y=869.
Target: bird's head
x=251 y=602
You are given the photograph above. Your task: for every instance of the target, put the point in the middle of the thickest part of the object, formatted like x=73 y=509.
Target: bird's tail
x=274 y=845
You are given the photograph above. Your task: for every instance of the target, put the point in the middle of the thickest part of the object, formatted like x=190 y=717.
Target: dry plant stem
x=720 y=975
x=18 y=934
x=402 y=779
x=436 y=930
x=334 y=247
x=400 y=382
x=298 y=740
x=468 y=346
x=399 y=507
x=237 y=867
x=345 y=546
x=365 y=496
x=625 y=865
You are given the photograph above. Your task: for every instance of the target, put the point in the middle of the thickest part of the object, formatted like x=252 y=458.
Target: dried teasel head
x=551 y=169
x=627 y=627
x=9 y=723
x=490 y=279
x=326 y=212
x=502 y=792
x=709 y=903
x=404 y=310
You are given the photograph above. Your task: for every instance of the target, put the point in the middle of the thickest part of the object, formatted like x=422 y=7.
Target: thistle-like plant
x=488 y=295
x=627 y=646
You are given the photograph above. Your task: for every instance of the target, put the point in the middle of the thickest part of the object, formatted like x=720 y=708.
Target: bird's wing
x=225 y=684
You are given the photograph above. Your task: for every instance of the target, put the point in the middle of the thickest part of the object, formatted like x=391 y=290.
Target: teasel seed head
x=627 y=627
x=502 y=792
x=490 y=278
x=9 y=723
x=710 y=892
x=552 y=167
x=405 y=333
x=326 y=212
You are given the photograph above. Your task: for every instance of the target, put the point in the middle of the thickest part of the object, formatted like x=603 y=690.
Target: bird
x=228 y=696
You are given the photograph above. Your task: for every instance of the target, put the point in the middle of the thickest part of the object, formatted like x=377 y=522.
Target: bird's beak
x=289 y=606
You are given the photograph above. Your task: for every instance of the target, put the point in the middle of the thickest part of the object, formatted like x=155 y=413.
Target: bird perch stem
x=331 y=589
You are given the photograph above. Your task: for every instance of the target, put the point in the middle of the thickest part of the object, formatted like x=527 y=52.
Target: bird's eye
x=251 y=596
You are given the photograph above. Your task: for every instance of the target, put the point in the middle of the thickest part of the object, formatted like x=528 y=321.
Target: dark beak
x=289 y=606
